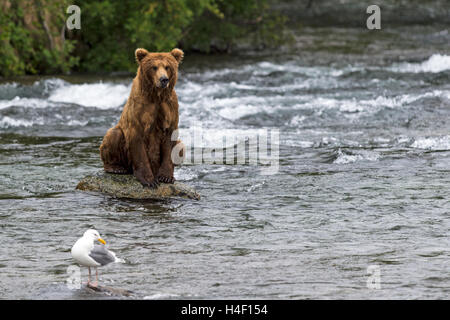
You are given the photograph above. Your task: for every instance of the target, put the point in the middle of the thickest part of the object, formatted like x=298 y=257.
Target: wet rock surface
x=127 y=186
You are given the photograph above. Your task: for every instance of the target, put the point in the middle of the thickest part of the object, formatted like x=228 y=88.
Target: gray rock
x=110 y=290
x=127 y=186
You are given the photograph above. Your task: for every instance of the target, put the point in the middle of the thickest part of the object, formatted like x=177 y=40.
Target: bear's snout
x=163 y=81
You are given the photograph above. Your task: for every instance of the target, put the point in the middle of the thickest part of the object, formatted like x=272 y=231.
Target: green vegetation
x=34 y=40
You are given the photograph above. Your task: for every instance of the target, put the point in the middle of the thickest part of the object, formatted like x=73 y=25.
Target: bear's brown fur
x=141 y=143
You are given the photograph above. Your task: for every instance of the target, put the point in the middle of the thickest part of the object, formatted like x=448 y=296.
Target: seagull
x=88 y=254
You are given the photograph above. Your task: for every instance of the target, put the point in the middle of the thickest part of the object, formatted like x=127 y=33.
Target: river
x=363 y=181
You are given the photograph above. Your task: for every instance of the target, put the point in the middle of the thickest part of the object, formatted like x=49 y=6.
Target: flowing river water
x=363 y=178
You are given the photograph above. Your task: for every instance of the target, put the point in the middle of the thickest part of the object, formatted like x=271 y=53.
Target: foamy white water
x=157 y=296
x=436 y=63
x=201 y=137
x=7 y=122
x=99 y=95
x=234 y=113
x=25 y=103
x=345 y=158
x=432 y=143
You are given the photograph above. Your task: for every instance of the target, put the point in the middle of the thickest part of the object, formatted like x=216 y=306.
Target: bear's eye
x=155 y=68
x=167 y=68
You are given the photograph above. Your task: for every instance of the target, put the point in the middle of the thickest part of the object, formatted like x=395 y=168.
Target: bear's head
x=159 y=70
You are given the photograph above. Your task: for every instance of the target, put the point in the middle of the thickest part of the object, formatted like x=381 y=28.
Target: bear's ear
x=140 y=54
x=177 y=54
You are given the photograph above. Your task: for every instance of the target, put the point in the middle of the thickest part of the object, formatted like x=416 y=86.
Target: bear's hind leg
x=113 y=154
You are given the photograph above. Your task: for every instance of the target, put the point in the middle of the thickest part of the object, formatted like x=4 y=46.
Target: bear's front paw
x=165 y=179
x=153 y=184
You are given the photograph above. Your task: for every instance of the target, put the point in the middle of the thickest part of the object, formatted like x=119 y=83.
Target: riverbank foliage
x=34 y=38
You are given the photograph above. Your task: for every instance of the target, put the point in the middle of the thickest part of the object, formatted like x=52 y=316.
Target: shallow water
x=363 y=179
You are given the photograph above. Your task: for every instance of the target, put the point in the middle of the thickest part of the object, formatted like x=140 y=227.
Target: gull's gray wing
x=101 y=255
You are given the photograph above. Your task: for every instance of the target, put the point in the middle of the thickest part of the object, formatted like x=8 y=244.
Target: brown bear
x=141 y=143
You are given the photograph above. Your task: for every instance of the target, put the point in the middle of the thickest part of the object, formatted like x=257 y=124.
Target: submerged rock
x=110 y=290
x=127 y=186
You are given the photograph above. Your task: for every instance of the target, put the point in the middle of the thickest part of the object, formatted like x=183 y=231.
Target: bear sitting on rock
x=141 y=143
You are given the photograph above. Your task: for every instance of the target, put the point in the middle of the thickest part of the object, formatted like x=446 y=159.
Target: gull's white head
x=94 y=235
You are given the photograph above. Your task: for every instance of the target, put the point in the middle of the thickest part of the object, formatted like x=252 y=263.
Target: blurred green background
x=34 y=38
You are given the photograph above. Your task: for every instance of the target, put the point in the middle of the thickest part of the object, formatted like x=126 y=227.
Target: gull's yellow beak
x=101 y=240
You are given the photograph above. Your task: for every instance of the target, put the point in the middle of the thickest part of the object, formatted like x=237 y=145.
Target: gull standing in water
x=89 y=254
